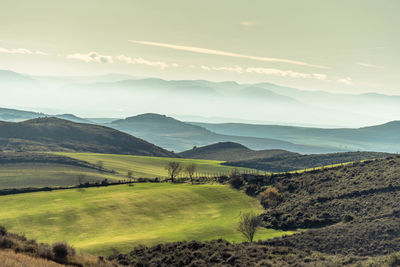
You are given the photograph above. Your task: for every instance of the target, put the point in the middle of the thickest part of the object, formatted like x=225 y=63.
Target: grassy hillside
x=292 y=162
x=229 y=151
x=22 y=175
x=354 y=208
x=22 y=169
x=53 y=134
x=150 y=167
x=96 y=219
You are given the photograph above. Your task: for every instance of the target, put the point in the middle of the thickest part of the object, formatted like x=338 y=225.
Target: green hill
x=53 y=134
x=97 y=219
x=229 y=151
x=23 y=170
x=150 y=167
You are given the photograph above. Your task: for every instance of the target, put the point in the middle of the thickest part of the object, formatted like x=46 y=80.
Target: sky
x=346 y=46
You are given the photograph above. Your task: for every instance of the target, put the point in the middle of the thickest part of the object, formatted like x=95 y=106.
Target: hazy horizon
x=79 y=51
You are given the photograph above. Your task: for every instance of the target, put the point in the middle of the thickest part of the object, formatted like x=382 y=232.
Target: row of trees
x=174 y=168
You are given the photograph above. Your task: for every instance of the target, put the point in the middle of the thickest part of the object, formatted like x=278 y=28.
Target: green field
x=19 y=175
x=94 y=220
x=150 y=167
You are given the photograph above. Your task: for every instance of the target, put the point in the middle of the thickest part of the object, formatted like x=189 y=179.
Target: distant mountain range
x=383 y=137
x=117 y=95
x=176 y=135
x=54 y=134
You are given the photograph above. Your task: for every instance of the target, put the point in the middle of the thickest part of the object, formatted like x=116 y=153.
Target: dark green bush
x=62 y=250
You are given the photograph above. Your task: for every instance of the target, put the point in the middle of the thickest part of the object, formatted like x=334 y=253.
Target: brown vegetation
x=223 y=253
x=292 y=162
x=19 y=251
x=271 y=197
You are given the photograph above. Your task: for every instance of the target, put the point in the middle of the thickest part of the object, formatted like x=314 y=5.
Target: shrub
x=251 y=190
x=347 y=218
x=61 y=250
x=45 y=251
x=271 y=197
x=3 y=230
x=235 y=179
x=248 y=224
x=6 y=242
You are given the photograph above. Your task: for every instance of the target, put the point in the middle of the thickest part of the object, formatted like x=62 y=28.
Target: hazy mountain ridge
x=190 y=97
x=382 y=138
x=176 y=135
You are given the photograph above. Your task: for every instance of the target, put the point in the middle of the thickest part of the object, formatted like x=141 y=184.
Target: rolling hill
x=293 y=162
x=180 y=136
x=15 y=115
x=229 y=151
x=53 y=134
x=152 y=167
x=97 y=219
x=35 y=170
x=353 y=207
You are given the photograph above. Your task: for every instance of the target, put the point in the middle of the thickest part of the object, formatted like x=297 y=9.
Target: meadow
x=150 y=167
x=95 y=220
x=22 y=175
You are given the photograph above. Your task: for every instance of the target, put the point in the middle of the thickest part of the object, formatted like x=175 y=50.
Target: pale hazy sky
x=335 y=45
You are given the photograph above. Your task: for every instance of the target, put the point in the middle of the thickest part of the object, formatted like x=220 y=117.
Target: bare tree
x=130 y=177
x=129 y=174
x=173 y=168
x=248 y=224
x=190 y=169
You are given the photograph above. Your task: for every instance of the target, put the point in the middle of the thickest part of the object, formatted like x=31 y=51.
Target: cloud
x=248 y=23
x=91 y=57
x=236 y=69
x=38 y=52
x=346 y=81
x=268 y=71
x=370 y=65
x=142 y=61
x=22 y=51
x=224 y=53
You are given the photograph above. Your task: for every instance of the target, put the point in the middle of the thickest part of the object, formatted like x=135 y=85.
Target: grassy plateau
x=150 y=167
x=95 y=220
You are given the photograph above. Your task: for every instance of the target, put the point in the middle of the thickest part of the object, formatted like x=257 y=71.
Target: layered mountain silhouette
x=176 y=135
x=384 y=138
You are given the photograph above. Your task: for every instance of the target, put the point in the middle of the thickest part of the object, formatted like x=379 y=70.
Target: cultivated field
x=21 y=175
x=96 y=219
x=150 y=167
